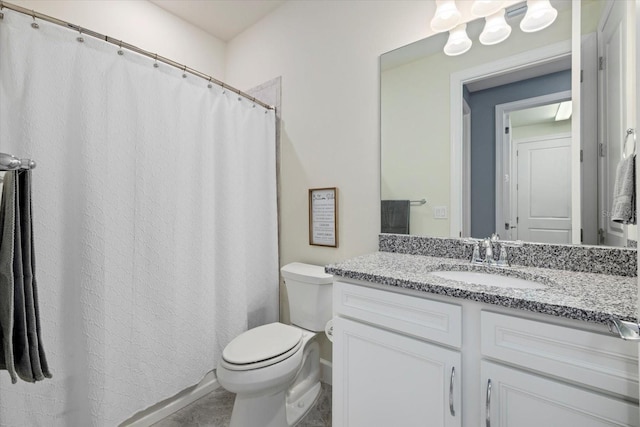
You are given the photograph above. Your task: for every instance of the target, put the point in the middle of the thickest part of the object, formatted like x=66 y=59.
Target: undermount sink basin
x=488 y=279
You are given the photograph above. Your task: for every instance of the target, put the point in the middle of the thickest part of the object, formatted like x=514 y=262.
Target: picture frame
x=323 y=217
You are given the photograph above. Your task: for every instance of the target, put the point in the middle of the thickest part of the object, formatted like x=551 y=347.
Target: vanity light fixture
x=495 y=29
x=447 y=16
x=565 y=110
x=482 y=8
x=458 y=42
x=540 y=14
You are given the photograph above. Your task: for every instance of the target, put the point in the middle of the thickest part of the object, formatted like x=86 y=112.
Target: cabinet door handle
x=488 y=409
x=453 y=375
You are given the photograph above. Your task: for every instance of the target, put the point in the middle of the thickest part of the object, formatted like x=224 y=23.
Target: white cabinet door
x=381 y=378
x=519 y=399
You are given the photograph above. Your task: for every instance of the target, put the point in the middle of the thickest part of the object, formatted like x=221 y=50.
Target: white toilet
x=274 y=369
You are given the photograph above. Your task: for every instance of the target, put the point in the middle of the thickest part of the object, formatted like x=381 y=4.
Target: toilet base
x=268 y=410
x=259 y=411
x=298 y=409
x=304 y=391
x=271 y=403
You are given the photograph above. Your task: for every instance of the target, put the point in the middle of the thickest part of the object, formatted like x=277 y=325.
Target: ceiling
x=223 y=19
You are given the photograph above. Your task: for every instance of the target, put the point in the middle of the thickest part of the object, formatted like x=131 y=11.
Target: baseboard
x=167 y=407
x=208 y=384
x=326 y=371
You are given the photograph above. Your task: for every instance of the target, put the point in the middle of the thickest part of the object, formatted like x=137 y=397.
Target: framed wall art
x=323 y=217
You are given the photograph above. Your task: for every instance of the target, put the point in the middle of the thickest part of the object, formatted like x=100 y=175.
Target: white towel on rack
x=624 y=192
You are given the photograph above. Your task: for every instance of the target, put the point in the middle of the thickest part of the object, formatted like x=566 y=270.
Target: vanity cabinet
x=540 y=374
x=518 y=398
x=386 y=371
x=401 y=359
x=391 y=379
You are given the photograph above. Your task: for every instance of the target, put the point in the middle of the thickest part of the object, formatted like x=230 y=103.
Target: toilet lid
x=262 y=343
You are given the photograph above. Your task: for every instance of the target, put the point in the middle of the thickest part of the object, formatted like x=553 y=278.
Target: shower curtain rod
x=123 y=45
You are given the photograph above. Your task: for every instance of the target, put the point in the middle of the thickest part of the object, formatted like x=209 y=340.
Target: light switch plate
x=440 y=212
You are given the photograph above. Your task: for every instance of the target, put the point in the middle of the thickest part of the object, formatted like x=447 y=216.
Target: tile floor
x=214 y=410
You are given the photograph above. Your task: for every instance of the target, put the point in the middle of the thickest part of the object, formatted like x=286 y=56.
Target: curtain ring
x=184 y=71
x=224 y=89
x=34 y=24
x=80 y=38
x=120 y=51
x=155 y=64
x=210 y=85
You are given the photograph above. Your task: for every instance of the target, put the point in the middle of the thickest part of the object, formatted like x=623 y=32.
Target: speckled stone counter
x=582 y=296
x=584 y=258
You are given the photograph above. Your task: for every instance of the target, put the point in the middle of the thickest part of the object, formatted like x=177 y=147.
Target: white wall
x=142 y=24
x=327 y=54
x=415 y=157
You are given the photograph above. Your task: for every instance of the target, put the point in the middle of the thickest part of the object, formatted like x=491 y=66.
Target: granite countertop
x=582 y=296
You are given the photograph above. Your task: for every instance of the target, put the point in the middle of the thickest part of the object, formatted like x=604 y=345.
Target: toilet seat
x=262 y=346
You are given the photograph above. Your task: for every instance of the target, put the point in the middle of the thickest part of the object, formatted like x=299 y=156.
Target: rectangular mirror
x=486 y=142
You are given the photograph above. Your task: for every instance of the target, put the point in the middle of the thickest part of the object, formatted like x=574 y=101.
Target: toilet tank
x=309 y=290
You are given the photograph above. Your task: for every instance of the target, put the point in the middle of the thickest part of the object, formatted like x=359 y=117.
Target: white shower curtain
x=155 y=222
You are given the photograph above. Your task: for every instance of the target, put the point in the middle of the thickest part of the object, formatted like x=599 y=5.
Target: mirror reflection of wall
x=607 y=29
x=416 y=136
x=484 y=100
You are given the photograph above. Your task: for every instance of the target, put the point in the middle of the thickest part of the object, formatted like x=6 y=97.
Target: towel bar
x=9 y=162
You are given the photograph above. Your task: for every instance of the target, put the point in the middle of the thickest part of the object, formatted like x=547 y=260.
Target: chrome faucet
x=488 y=250
x=487 y=244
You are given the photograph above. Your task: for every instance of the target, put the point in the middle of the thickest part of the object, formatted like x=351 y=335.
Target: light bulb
x=458 y=42
x=446 y=17
x=482 y=8
x=540 y=14
x=495 y=29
